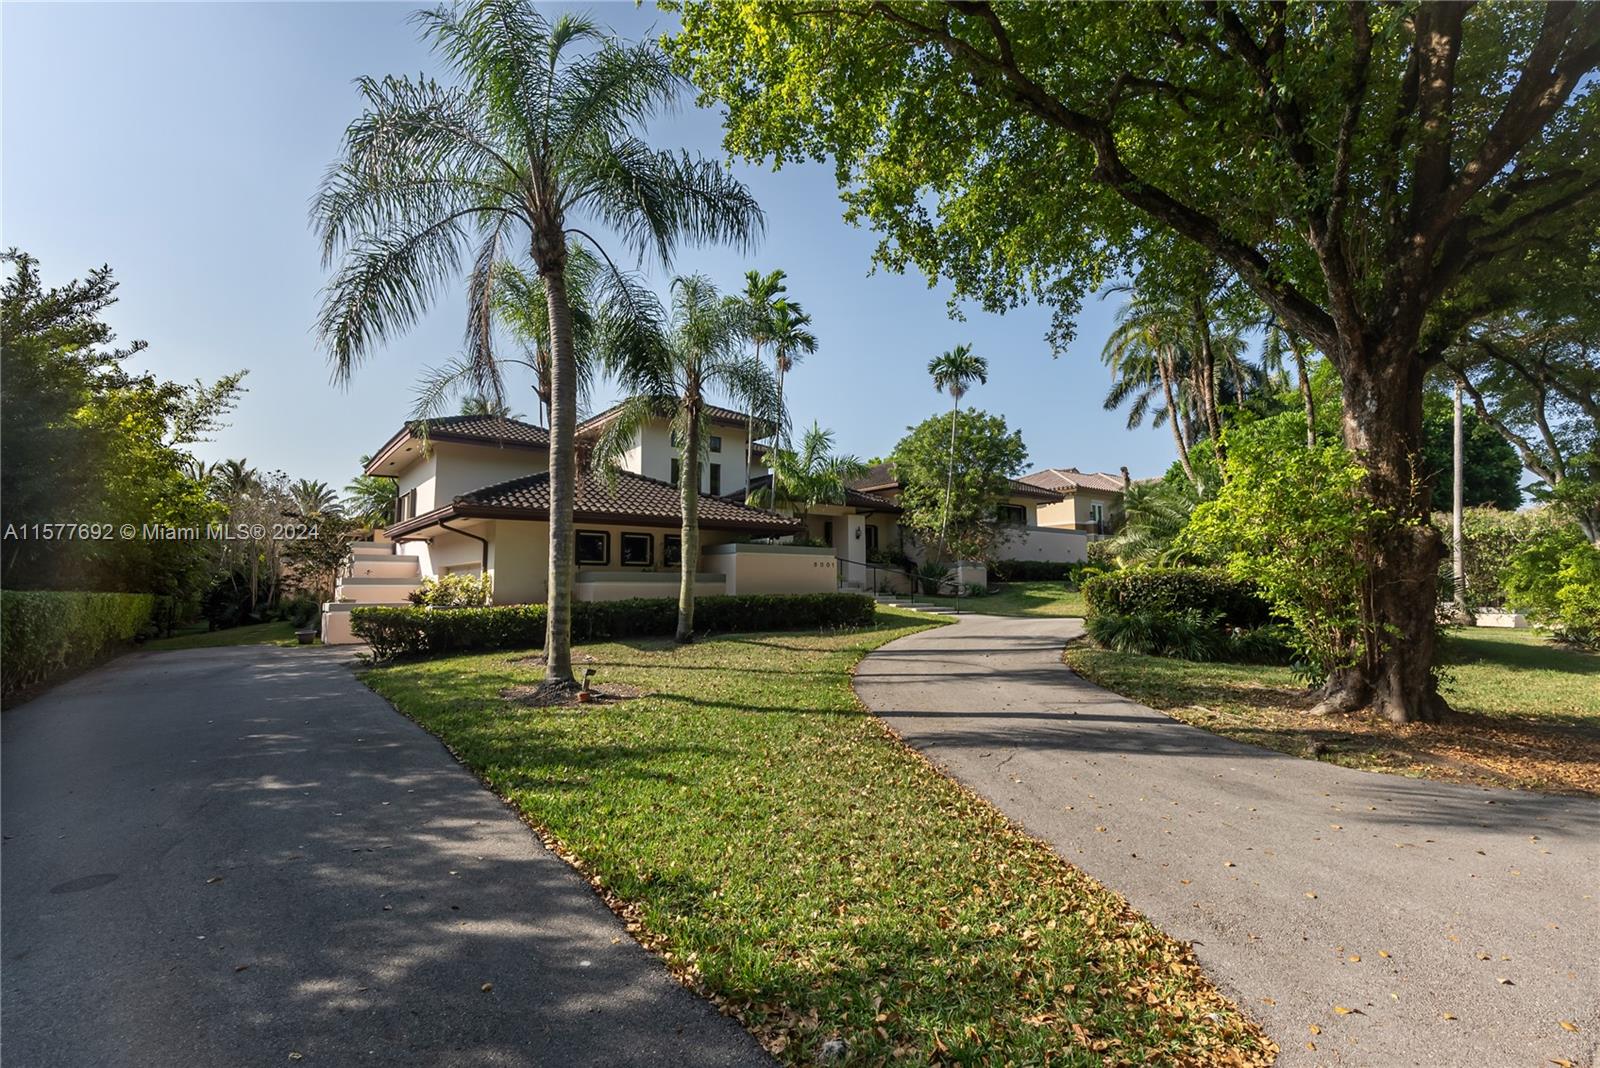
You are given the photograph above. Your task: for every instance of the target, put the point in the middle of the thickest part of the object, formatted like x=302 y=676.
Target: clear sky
x=181 y=143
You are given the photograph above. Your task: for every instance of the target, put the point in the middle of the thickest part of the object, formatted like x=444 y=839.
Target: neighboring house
x=1090 y=501
x=474 y=496
x=860 y=531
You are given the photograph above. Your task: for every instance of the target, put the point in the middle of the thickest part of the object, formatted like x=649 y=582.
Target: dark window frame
x=674 y=471
x=872 y=537
x=715 y=480
x=671 y=545
x=716 y=443
x=605 y=535
x=1012 y=515
x=622 y=549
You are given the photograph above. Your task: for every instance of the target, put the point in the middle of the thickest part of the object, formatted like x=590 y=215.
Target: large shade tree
x=536 y=139
x=701 y=350
x=1374 y=174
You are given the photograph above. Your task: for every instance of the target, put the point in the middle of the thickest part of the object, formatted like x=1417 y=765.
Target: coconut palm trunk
x=950 y=470
x=689 y=489
x=563 y=479
x=1172 y=418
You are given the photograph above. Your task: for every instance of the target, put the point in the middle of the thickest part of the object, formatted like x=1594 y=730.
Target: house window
x=827 y=532
x=872 y=538
x=672 y=550
x=675 y=471
x=593 y=547
x=1097 y=515
x=1012 y=515
x=638 y=550
x=716 y=478
x=716 y=446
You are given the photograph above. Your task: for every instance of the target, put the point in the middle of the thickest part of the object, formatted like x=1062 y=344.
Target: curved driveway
x=1461 y=925
x=245 y=857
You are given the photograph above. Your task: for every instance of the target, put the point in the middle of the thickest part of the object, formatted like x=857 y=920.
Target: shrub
x=1102 y=553
x=1030 y=571
x=301 y=609
x=1186 y=635
x=1555 y=580
x=1295 y=523
x=1489 y=540
x=48 y=633
x=453 y=591
x=1210 y=594
x=415 y=631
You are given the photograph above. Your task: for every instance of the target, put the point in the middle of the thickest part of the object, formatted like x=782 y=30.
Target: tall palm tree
x=761 y=296
x=810 y=476
x=954 y=373
x=312 y=498
x=701 y=349
x=792 y=339
x=537 y=133
x=1147 y=350
x=235 y=479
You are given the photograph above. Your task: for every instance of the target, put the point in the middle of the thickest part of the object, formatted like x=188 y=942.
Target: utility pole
x=1457 y=564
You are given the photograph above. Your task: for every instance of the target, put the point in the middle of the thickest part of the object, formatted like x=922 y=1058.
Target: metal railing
x=879 y=578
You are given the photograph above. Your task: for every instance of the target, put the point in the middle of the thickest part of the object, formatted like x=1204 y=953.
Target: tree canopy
x=977 y=473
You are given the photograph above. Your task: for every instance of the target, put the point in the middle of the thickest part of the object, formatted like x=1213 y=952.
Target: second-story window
x=676 y=471
x=716 y=445
x=716 y=479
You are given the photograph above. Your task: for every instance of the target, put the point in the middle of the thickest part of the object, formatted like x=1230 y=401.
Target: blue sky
x=181 y=144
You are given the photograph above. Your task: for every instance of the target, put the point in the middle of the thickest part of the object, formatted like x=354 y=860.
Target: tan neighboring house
x=474 y=497
x=1090 y=501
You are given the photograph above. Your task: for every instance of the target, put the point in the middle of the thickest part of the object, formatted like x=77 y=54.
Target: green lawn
x=1021 y=599
x=791 y=859
x=1528 y=711
x=197 y=637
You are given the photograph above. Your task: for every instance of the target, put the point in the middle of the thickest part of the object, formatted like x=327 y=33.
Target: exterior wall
x=1073 y=513
x=615 y=586
x=653 y=452
x=773 y=568
x=452 y=468
x=1055 y=544
x=447 y=551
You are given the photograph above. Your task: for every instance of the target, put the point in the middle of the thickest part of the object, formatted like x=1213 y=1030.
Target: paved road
x=227 y=857
x=1280 y=871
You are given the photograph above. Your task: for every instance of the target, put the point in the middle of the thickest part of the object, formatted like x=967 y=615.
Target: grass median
x=789 y=858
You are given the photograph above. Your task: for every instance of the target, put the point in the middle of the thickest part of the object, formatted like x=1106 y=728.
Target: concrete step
x=374 y=590
x=391 y=567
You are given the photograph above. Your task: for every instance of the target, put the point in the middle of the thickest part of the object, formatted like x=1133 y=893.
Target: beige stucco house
x=1090 y=501
x=474 y=497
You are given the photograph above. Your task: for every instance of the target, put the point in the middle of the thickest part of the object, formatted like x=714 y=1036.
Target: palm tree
x=791 y=339
x=538 y=133
x=954 y=373
x=1145 y=351
x=761 y=296
x=1154 y=514
x=1274 y=347
x=369 y=499
x=313 y=498
x=701 y=348
x=235 y=479
x=801 y=480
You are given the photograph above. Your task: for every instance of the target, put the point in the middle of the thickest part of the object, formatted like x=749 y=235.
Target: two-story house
x=474 y=496
x=1090 y=501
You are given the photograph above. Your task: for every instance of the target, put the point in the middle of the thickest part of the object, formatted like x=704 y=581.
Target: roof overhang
x=461 y=510
x=397 y=445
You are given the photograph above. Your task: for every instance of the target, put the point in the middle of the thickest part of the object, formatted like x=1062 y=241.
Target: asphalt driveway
x=242 y=856
x=1459 y=926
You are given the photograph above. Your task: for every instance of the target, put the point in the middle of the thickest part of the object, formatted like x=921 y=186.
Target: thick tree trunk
x=1383 y=427
x=563 y=478
x=689 y=488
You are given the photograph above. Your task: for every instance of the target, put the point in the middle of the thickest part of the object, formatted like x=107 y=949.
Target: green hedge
x=434 y=631
x=1042 y=571
x=1209 y=594
x=46 y=633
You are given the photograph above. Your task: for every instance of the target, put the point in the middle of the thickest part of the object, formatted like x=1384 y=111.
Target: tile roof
x=854 y=498
x=882 y=477
x=633 y=499
x=1070 y=479
x=468 y=429
x=715 y=413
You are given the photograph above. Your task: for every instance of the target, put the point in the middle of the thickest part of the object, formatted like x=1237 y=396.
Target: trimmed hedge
x=434 y=631
x=1042 y=571
x=1209 y=594
x=46 y=633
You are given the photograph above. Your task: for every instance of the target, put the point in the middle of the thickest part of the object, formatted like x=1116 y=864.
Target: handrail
x=876 y=569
